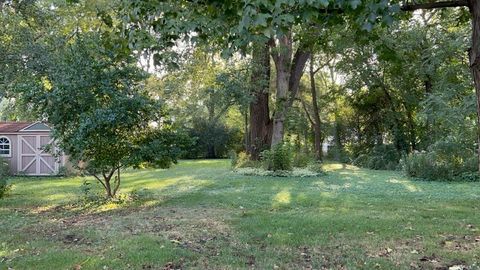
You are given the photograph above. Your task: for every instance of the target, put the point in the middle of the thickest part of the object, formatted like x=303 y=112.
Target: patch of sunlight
x=163 y=184
x=42 y=209
x=320 y=184
x=283 y=197
x=339 y=166
x=150 y=203
x=406 y=184
x=109 y=206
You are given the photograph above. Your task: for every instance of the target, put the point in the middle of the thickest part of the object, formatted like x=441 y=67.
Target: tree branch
x=99 y=180
x=435 y=5
x=299 y=60
x=306 y=112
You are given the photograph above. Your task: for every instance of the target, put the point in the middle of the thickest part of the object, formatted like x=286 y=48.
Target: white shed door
x=32 y=158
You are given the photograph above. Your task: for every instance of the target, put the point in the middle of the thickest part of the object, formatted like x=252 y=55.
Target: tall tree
x=474 y=52
x=286 y=26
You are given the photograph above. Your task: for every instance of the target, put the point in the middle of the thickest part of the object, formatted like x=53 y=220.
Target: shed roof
x=14 y=126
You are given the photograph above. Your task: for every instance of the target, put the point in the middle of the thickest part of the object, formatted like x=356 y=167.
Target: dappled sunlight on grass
x=407 y=184
x=338 y=166
x=283 y=197
x=109 y=206
x=200 y=215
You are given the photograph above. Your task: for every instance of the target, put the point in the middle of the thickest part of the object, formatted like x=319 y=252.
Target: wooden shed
x=22 y=144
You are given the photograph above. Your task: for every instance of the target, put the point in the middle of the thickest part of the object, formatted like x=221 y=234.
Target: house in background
x=22 y=146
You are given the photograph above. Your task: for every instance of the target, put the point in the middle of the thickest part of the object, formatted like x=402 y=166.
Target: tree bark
x=283 y=61
x=316 y=114
x=288 y=74
x=435 y=5
x=260 y=123
x=474 y=54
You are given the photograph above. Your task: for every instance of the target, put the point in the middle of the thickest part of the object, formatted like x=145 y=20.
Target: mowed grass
x=200 y=215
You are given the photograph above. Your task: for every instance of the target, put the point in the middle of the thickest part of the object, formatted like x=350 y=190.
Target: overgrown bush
x=443 y=161
x=90 y=195
x=380 y=157
x=242 y=160
x=338 y=154
x=4 y=173
x=301 y=160
x=279 y=158
x=316 y=167
x=213 y=139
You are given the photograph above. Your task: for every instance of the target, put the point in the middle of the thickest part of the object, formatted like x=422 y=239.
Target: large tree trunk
x=260 y=123
x=283 y=59
x=316 y=114
x=288 y=74
x=475 y=62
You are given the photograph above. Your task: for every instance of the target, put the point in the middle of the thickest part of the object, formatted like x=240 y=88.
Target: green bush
x=316 y=167
x=4 y=188
x=301 y=160
x=443 y=161
x=4 y=173
x=242 y=160
x=380 y=157
x=279 y=158
x=338 y=154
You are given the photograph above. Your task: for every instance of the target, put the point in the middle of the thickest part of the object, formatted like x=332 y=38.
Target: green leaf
x=261 y=19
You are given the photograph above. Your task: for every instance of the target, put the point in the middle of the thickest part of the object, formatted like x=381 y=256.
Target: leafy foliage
x=279 y=158
x=443 y=161
x=213 y=139
x=4 y=172
x=243 y=160
x=380 y=157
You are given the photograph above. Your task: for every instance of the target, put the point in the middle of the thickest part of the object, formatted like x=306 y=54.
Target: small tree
x=102 y=117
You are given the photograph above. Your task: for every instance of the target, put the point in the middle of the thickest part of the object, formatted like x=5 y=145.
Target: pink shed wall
x=13 y=160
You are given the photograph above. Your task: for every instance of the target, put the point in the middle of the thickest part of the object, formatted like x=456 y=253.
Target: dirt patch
x=460 y=243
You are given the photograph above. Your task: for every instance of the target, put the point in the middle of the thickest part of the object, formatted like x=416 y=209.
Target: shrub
x=316 y=167
x=4 y=187
x=4 y=172
x=279 y=158
x=68 y=171
x=242 y=160
x=339 y=154
x=444 y=160
x=301 y=160
x=90 y=195
x=213 y=139
x=380 y=157
x=4 y=168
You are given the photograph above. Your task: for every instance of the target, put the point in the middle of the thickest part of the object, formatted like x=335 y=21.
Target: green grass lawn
x=200 y=215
